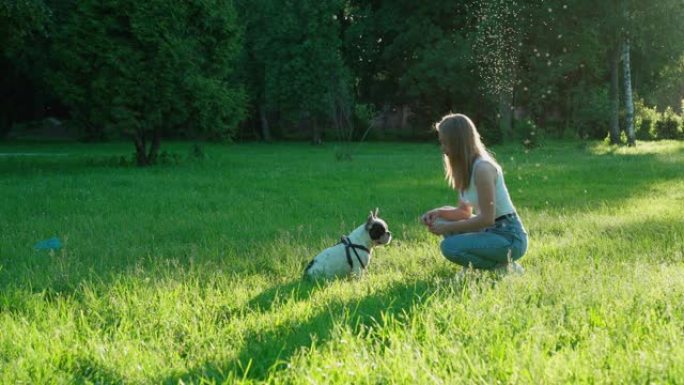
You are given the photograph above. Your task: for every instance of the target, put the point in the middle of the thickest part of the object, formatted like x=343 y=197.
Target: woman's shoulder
x=485 y=171
x=483 y=164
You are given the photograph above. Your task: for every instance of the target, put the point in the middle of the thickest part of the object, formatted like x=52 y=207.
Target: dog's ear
x=375 y=213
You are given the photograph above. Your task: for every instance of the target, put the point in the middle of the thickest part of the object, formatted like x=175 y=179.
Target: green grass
x=190 y=273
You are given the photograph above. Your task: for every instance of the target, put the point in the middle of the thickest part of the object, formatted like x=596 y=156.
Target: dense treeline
x=330 y=69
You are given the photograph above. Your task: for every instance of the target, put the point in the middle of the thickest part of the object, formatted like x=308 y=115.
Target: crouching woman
x=483 y=231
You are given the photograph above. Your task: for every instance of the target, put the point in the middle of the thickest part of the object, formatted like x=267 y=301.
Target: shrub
x=645 y=119
x=592 y=111
x=527 y=132
x=669 y=126
x=491 y=134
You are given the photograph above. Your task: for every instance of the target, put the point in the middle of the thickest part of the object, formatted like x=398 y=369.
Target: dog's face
x=377 y=229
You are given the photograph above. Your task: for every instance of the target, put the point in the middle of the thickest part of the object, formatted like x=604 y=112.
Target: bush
x=491 y=134
x=592 y=111
x=645 y=119
x=669 y=126
x=527 y=132
x=363 y=113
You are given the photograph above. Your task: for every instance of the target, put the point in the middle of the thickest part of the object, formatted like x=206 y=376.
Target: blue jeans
x=505 y=241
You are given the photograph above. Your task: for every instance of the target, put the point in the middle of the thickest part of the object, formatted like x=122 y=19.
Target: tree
x=22 y=25
x=629 y=99
x=22 y=21
x=294 y=51
x=413 y=53
x=656 y=42
x=573 y=53
x=139 y=68
x=633 y=25
x=556 y=70
x=498 y=36
x=253 y=69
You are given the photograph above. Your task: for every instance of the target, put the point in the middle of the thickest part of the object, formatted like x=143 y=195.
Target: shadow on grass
x=403 y=194
x=296 y=290
x=640 y=240
x=87 y=370
x=265 y=352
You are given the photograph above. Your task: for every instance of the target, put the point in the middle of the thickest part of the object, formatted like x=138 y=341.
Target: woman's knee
x=445 y=247
x=451 y=251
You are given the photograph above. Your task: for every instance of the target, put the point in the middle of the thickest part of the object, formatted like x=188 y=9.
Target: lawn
x=190 y=272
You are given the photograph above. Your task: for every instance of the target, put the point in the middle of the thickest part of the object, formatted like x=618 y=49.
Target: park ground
x=190 y=271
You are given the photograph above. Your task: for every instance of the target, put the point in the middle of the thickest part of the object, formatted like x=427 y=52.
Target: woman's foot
x=509 y=268
x=462 y=274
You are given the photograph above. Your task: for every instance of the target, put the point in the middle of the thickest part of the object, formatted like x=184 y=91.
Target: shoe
x=462 y=274
x=508 y=268
x=460 y=277
x=516 y=268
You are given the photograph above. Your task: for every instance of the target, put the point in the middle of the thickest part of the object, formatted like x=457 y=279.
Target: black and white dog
x=352 y=255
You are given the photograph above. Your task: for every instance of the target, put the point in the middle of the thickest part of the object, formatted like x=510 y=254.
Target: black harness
x=348 y=245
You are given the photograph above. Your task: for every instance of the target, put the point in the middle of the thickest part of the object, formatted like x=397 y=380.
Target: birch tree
x=629 y=98
x=638 y=25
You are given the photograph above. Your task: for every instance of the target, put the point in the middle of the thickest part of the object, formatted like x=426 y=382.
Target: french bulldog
x=352 y=255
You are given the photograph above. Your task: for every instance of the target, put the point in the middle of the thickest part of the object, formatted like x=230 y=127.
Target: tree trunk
x=140 y=153
x=154 y=147
x=265 y=129
x=629 y=101
x=316 y=137
x=505 y=115
x=4 y=126
x=613 y=94
x=405 y=112
x=146 y=156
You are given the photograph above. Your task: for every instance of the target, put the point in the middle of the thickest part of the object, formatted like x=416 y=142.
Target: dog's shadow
x=295 y=290
x=267 y=351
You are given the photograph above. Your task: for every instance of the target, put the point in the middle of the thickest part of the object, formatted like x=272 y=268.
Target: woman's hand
x=429 y=217
x=449 y=213
x=464 y=211
x=438 y=227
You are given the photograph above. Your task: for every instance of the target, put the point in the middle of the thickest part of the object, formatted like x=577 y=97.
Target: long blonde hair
x=463 y=141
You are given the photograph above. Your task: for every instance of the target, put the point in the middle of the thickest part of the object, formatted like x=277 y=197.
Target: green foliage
x=591 y=111
x=294 y=48
x=645 y=120
x=136 y=68
x=363 y=113
x=564 y=53
x=23 y=29
x=203 y=67
x=527 y=132
x=669 y=126
x=491 y=133
x=497 y=41
x=413 y=53
x=21 y=22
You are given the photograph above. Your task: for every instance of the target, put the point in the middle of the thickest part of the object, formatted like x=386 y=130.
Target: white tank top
x=502 y=200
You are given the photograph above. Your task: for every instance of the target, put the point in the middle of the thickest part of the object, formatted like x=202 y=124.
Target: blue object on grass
x=52 y=243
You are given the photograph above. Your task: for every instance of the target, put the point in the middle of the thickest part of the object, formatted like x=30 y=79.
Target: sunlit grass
x=190 y=273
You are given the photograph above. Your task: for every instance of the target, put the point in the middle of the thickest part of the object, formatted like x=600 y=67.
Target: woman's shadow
x=265 y=352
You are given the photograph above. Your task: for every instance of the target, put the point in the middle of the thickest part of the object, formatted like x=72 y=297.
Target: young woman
x=484 y=231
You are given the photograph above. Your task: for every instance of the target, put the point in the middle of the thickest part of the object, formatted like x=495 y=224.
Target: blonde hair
x=460 y=136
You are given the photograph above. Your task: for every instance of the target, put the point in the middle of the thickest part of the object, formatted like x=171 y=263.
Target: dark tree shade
x=139 y=67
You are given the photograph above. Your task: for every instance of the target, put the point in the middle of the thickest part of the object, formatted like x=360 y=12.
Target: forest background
x=339 y=70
